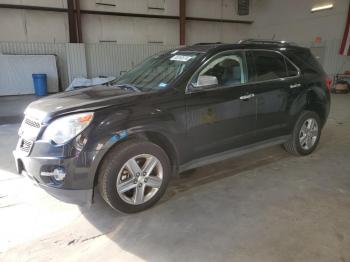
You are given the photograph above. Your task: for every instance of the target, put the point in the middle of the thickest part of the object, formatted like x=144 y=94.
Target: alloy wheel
x=139 y=179
x=308 y=133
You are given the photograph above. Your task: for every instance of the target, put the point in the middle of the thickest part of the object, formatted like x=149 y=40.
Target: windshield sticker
x=182 y=58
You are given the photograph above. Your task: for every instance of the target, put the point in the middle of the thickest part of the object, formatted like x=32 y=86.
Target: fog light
x=58 y=174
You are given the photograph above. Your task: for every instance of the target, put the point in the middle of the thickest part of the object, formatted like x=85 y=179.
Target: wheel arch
x=310 y=100
x=314 y=104
x=155 y=137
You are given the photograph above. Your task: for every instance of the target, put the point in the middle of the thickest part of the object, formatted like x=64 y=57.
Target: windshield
x=157 y=72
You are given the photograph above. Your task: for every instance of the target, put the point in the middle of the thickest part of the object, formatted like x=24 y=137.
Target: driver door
x=222 y=115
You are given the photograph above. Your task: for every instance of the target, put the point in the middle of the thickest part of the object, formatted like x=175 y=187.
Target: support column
x=182 y=22
x=73 y=38
x=80 y=34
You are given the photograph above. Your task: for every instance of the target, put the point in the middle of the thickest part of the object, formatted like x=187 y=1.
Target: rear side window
x=269 y=65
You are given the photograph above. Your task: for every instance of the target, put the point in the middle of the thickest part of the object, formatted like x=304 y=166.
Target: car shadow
x=170 y=222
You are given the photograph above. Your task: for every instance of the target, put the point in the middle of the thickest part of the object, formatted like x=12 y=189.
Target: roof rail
x=265 y=42
x=215 y=43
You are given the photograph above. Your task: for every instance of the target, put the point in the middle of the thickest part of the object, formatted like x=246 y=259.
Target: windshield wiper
x=131 y=87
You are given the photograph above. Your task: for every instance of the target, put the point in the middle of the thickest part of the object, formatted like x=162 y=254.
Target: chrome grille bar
x=32 y=123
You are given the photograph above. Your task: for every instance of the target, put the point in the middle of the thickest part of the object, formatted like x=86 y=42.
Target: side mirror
x=205 y=82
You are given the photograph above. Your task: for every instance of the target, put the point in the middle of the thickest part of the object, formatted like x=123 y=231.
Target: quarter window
x=228 y=68
x=269 y=65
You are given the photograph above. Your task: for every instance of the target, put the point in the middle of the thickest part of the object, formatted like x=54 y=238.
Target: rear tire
x=306 y=134
x=134 y=176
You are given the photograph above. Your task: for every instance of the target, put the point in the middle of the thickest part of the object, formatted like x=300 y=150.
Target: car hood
x=85 y=99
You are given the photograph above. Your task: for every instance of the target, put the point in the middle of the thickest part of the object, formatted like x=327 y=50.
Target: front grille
x=25 y=145
x=28 y=133
x=32 y=123
x=29 y=129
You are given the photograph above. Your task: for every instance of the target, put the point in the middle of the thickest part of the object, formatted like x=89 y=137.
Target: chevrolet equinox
x=176 y=111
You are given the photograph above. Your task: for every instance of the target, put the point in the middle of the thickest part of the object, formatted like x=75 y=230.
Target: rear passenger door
x=276 y=85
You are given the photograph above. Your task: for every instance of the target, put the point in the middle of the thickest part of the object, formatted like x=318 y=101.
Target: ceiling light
x=321 y=7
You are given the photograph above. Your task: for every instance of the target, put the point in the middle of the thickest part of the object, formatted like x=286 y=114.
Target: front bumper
x=76 y=188
x=77 y=197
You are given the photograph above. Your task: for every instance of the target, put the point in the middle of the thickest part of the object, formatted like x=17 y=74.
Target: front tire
x=306 y=134
x=134 y=176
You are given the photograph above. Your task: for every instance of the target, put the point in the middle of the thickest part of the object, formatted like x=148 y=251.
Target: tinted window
x=228 y=68
x=269 y=65
x=292 y=70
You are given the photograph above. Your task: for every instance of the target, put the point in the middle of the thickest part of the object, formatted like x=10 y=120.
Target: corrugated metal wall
x=76 y=61
x=333 y=63
x=110 y=59
x=87 y=60
x=22 y=48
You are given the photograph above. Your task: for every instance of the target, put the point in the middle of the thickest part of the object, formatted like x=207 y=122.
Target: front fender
x=118 y=138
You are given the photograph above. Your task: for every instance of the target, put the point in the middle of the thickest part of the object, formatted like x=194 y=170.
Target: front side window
x=228 y=69
x=269 y=65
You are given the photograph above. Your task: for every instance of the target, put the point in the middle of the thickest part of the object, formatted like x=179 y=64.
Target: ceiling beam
x=34 y=8
x=219 y=20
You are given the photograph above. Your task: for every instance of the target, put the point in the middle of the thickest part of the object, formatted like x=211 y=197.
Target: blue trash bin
x=40 y=84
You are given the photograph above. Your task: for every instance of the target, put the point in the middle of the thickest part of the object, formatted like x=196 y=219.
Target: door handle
x=247 y=97
x=295 y=85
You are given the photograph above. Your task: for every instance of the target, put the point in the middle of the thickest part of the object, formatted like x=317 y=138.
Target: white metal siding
x=333 y=63
x=86 y=60
x=16 y=73
x=112 y=59
x=21 y=48
x=76 y=61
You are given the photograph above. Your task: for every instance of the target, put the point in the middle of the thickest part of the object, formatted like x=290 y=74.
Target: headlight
x=65 y=128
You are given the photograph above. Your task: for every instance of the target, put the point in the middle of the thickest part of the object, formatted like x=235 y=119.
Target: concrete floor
x=265 y=206
x=12 y=108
